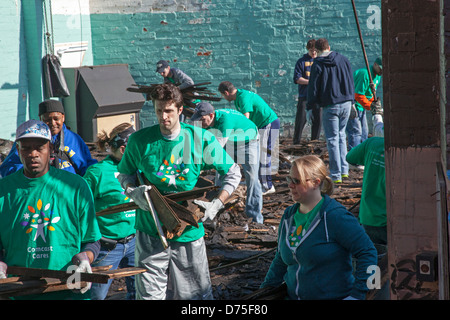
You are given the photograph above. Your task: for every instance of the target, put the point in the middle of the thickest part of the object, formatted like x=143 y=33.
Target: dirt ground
x=240 y=251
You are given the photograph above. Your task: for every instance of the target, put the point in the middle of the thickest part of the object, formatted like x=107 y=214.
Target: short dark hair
x=226 y=86
x=167 y=92
x=322 y=44
x=311 y=44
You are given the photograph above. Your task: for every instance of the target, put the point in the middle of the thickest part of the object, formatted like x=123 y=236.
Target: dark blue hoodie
x=331 y=80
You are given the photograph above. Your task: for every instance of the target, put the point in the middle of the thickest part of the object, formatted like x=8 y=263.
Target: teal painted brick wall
x=254 y=44
x=13 y=69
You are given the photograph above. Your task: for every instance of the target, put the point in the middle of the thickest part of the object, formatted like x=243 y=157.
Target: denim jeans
x=269 y=135
x=247 y=155
x=121 y=256
x=334 y=121
x=357 y=129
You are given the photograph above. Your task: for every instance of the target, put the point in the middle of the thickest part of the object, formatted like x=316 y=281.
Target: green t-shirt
x=102 y=179
x=173 y=166
x=45 y=221
x=233 y=125
x=259 y=111
x=302 y=224
x=370 y=154
x=362 y=83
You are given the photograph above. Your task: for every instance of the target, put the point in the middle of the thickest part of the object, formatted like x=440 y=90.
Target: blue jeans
x=334 y=121
x=247 y=155
x=357 y=129
x=121 y=256
x=269 y=135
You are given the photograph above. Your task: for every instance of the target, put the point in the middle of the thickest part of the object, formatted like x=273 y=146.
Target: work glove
x=126 y=179
x=138 y=196
x=82 y=261
x=350 y=298
x=376 y=107
x=353 y=112
x=211 y=208
x=3 y=268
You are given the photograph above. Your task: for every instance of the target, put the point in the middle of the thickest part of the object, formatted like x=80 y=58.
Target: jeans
x=121 y=256
x=247 y=155
x=334 y=121
x=300 y=121
x=357 y=129
x=269 y=136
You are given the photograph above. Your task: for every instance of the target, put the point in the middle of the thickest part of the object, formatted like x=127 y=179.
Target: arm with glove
x=229 y=183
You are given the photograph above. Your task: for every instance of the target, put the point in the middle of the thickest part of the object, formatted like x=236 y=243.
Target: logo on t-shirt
x=38 y=218
x=170 y=171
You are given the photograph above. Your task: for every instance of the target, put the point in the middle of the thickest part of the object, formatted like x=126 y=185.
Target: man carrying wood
x=171 y=156
x=239 y=136
x=47 y=216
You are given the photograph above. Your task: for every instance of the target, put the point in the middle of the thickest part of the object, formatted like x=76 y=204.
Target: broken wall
x=412 y=103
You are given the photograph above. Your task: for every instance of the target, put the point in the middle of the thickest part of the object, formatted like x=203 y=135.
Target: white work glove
x=309 y=116
x=3 y=268
x=211 y=208
x=82 y=261
x=138 y=196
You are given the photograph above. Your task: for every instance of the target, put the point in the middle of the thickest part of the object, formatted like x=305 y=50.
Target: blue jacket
x=74 y=154
x=321 y=266
x=331 y=80
x=303 y=70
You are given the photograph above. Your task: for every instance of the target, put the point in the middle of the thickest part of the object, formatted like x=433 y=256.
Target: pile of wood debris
x=240 y=251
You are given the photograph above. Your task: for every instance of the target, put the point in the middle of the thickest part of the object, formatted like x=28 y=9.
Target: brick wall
x=254 y=44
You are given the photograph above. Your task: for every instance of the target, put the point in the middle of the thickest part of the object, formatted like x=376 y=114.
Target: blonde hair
x=103 y=139
x=312 y=167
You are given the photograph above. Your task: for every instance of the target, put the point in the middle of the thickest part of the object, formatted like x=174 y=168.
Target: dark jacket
x=303 y=70
x=331 y=80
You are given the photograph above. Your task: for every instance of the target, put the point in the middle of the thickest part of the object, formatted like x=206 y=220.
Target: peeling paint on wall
x=147 y=6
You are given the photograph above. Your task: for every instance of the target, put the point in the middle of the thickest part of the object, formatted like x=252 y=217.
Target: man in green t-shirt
x=171 y=155
x=370 y=154
x=239 y=136
x=256 y=109
x=47 y=215
x=357 y=128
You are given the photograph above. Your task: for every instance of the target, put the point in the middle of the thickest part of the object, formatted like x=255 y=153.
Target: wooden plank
x=57 y=274
x=124 y=272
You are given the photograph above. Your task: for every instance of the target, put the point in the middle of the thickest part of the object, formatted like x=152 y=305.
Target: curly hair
x=103 y=139
x=167 y=92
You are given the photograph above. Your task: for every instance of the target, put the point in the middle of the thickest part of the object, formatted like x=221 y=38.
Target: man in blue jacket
x=70 y=152
x=302 y=72
x=331 y=87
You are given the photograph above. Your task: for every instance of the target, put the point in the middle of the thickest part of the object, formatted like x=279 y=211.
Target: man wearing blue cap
x=48 y=215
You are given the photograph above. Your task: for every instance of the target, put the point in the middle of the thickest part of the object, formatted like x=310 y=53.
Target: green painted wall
x=254 y=44
x=13 y=69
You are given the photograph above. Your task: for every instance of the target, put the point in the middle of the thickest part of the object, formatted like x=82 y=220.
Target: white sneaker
x=357 y=168
x=271 y=190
